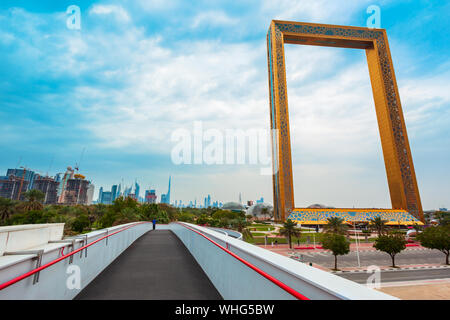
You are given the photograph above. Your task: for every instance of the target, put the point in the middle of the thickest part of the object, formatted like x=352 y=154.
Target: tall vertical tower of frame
x=394 y=139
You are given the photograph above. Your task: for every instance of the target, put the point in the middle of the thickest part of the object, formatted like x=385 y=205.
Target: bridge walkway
x=157 y=266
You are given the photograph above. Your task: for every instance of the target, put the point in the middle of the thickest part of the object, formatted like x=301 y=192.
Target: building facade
x=48 y=186
x=13 y=188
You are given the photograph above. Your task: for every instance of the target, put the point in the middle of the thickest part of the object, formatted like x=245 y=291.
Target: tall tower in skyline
x=165 y=198
x=136 y=190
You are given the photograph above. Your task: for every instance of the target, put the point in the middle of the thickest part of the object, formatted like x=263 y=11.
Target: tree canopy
x=436 y=238
x=392 y=244
x=337 y=244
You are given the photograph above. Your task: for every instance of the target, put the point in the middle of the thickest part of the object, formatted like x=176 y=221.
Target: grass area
x=258 y=234
x=302 y=240
x=265 y=228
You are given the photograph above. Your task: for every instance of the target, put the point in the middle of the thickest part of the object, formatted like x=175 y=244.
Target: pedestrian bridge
x=176 y=261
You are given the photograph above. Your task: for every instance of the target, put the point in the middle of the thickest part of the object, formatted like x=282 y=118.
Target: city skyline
x=71 y=94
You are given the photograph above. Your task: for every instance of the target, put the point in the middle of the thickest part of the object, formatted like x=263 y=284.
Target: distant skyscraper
x=100 y=192
x=260 y=200
x=9 y=188
x=90 y=194
x=63 y=185
x=136 y=190
x=28 y=175
x=106 y=197
x=150 y=196
x=119 y=192
x=240 y=198
x=165 y=198
x=208 y=203
x=48 y=186
x=76 y=191
x=114 y=192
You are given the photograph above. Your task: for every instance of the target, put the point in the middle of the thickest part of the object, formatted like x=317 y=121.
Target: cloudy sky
x=138 y=70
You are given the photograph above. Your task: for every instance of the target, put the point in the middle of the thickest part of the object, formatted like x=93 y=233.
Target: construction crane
x=77 y=165
x=78 y=175
x=21 y=182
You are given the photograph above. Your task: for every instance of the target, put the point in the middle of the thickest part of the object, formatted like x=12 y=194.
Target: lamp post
x=357 y=245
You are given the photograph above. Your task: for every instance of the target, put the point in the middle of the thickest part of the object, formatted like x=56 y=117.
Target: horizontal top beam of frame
x=327 y=35
x=328 y=42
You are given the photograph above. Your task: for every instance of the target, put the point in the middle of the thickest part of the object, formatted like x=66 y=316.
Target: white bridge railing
x=236 y=280
x=60 y=269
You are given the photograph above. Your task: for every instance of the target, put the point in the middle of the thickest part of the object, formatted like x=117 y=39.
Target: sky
x=139 y=70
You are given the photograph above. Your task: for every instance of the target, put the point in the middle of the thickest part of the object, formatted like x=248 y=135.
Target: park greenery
x=85 y=218
x=379 y=225
x=335 y=225
x=289 y=230
x=392 y=243
x=337 y=244
x=436 y=238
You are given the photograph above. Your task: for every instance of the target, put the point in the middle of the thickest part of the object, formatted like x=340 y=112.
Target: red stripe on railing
x=45 y=266
x=248 y=264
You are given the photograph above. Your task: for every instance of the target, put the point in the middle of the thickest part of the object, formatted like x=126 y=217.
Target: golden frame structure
x=398 y=161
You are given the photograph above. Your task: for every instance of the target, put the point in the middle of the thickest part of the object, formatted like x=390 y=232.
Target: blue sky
x=138 y=70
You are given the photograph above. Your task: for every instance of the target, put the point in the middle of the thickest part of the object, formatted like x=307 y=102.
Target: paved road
x=400 y=275
x=157 y=266
x=367 y=258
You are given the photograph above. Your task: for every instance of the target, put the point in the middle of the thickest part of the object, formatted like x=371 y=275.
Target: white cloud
x=212 y=18
x=318 y=11
x=119 y=12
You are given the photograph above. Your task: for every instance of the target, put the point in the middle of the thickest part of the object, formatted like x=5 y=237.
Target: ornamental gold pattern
x=399 y=166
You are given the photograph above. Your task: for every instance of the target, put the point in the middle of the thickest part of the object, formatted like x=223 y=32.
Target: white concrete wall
x=23 y=237
x=234 y=280
x=53 y=280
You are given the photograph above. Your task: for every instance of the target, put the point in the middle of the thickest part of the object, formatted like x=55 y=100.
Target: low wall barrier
x=240 y=270
x=63 y=268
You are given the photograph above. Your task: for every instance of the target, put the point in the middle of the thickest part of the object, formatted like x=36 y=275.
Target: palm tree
x=6 y=208
x=34 y=198
x=289 y=229
x=240 y=224
x=379 y=225
x=335 y=225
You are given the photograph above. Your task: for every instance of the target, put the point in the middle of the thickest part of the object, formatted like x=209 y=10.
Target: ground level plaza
x=320 y=216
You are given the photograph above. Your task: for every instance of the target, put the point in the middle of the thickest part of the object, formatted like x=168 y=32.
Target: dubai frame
x=394 y=140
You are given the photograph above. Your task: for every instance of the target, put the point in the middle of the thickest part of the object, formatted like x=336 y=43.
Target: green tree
x=121 y=203
x=186 y=217
x=290 y=230
x=392 y=244
x=80 y=223
x=337 y=244
x=6 y=209
x=379 y=225
x=239 y=224
x=149 y=211
x=202 y=220
x=443 y=217
x=34 y=200
x=335 y=225
x=436 y=238
x=418 y=228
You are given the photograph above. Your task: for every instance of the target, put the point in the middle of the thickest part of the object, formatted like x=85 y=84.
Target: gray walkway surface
x=157 y=266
